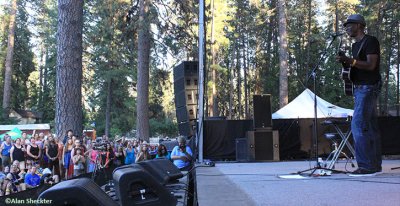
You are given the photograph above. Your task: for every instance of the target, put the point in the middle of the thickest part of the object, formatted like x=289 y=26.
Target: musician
x=367 y=82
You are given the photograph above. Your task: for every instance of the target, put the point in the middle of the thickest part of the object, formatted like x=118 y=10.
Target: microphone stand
x=313 y=75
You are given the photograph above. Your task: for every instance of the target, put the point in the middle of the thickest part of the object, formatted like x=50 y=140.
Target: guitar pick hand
x=344 y=59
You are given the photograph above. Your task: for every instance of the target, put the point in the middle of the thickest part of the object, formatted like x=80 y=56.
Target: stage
x=239 y=184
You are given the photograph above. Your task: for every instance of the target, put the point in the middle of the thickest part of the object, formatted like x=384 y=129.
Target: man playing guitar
x=366 y=79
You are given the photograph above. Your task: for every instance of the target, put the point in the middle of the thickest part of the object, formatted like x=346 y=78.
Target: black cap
x=355 y=18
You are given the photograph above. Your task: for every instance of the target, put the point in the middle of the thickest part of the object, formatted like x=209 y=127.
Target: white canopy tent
x=302 y=107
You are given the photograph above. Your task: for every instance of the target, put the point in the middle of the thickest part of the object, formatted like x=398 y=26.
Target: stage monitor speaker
x=81 y=191
x=136 y=186
x=263 y=145
x=262 y=112
x=162 y=169
x=242 y=153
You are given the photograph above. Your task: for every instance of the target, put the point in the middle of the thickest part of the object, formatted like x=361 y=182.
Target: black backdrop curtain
x=220 y=136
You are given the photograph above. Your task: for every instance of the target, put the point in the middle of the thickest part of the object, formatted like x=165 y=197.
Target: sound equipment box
x=163 y=170
x=262 y=112
x=242 y=153
x=81 y=191
x=263 y=145
x=186 y=95
x=136 y=186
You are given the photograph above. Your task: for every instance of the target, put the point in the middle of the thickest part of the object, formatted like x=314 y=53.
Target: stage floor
x=242 y=184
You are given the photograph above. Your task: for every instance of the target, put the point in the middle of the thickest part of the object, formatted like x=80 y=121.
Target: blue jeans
x=364 y=127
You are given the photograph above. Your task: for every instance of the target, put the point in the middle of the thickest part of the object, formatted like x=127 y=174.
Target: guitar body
x=348 y=84
x=346 y=76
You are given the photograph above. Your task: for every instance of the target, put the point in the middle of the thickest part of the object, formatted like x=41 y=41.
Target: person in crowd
x=136 y=146
x=33 y=152
x=79 y=161
x=3 y=173
x=119 y=156
x=6 y=170
x=52 y=155
x=144 y=153
x=129 y=154
x=182 y=154
x=162 y=152
x=24 y=140
x=109 y=156
x=31 y=178
x=27 y=140
x=60 y=148
x=67 y=157
x=48 y=178
x=17 y=152
x=68 y=136
x=5 y=148
x=93 y=154
x=16 y=181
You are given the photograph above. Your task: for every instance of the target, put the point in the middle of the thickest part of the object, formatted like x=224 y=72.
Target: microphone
x=338 y=34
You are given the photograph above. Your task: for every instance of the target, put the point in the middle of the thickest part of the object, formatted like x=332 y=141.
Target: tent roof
x=25 y=127
x=303 y=107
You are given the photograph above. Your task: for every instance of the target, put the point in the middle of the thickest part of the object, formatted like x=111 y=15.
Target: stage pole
x=201 y=81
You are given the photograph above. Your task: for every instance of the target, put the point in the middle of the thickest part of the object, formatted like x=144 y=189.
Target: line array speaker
x=186 y=95
x=262 y=112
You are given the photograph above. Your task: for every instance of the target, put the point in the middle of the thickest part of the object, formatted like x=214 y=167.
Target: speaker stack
x=146 y=183
x=262 y=144
x=81 y=191
x=186 y=96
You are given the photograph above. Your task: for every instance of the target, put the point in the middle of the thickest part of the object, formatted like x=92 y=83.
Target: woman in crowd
x=136 y=146
x=60 y=148
x=119 y=156
x=109 y=156
x=5 y=148
x=129 y=153
x=162 y=152
x=144 y=153
x=52 y=155
x=67 y=157
x=93 y=154
x=33 y=151
x=18 y=153
x=79 y=161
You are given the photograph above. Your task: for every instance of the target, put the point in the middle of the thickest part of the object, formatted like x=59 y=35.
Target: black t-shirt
x=371 y=46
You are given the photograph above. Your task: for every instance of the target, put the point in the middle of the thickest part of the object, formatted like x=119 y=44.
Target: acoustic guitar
x=346 y=76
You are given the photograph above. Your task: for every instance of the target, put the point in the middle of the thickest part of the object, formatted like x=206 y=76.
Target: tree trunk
x=142 y=123
x=283 y=55
x=41 y=76
x=214 y=101
x=108 y=108
x=69 y=67
x=245 y=85
x=239 y=82
x=9 y=61
x=398 y=71
x=231 y=88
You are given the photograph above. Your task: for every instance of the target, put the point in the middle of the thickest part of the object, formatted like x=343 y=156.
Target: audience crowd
x=28 y=162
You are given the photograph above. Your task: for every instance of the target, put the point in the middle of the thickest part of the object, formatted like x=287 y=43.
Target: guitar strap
x=362 y=44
